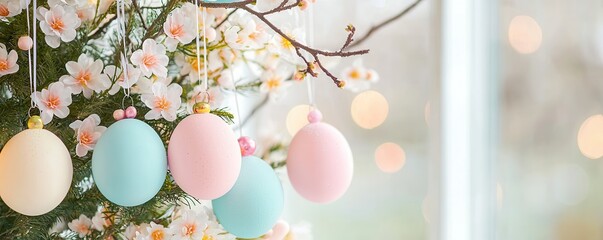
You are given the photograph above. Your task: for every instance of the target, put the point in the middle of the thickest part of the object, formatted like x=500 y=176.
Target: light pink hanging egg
x=204 y=156
x=319 y=162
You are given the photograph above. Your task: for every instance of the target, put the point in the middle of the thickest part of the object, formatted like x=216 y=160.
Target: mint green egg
x=254 y=204
x=129 y=163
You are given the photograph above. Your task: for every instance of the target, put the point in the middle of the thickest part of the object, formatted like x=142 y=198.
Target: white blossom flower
x=117 y=76
x=163 y=102
x=205 y=29
x=10 y=8
x=189 y=225
x=88 y=132
x=151 y=59
x=58 y=227
x=85 y=76
x=100 y=221
x=130 y=232
x=284 y=47
x=59 y=24
x=179 y=29
x=8 y=61
x=358 y=78
x=154 y=232
x=301 y=231
x=216 y=59
x=191 y=67
x=85 y=10
x=145 y=84
x=53 y=101
x=247 y=35
x=274 y=83
x=81 y=226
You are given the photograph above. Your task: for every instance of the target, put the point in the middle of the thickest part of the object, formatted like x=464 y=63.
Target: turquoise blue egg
x=254 y=204
x=129 y=163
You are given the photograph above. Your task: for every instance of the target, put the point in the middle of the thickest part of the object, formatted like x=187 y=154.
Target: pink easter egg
x=319 y=163
x=204 y=156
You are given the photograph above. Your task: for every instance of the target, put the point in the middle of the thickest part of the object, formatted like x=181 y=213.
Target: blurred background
x=550 y=131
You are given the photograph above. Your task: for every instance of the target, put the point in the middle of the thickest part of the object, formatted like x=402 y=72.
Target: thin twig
x=226 y=18
x=137 y=8
x=383 y=24
x=95 y=34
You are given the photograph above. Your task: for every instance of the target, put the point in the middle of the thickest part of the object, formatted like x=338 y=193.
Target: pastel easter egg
x=129 y=163
x=319 y=163
x=204 y=156
x=254 y=204
x=35 y=172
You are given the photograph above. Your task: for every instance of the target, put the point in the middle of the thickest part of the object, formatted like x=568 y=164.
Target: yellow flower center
x=157 y=235
x=177 y=30
x=57 y=24
x=355 y=74
x=190 y=229
x=286 y=43
x=83 y=228
x=149 y=60
x=195 y=64
x=207 y=237
x=3 y=11
x=3 y=65
x=273 y=83
x=86 y=138
x=83 y=77
x=53 y=102
x=162 y=103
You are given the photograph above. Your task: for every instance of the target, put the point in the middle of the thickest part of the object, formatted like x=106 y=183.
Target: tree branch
x=316 y=53
x=383 y=24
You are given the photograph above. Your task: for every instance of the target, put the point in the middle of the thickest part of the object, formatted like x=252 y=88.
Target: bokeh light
x=390 y=157
x=590 y=137
x=525 y=35
x=297 y=118
x=369 y=109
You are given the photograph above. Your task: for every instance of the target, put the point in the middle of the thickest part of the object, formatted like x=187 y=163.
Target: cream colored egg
x=35 y=172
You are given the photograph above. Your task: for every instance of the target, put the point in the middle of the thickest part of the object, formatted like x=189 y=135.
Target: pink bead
x=314 y=116
x=119 y=114
x=25 y=43
x=130 y=112
x=247 y=146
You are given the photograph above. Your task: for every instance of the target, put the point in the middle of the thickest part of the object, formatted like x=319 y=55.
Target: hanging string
x=29 y=62
x=236 y=95
x=33 y=81
x=205 y=83
x=124 y=60
x=205 y=67
x=310 y=37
